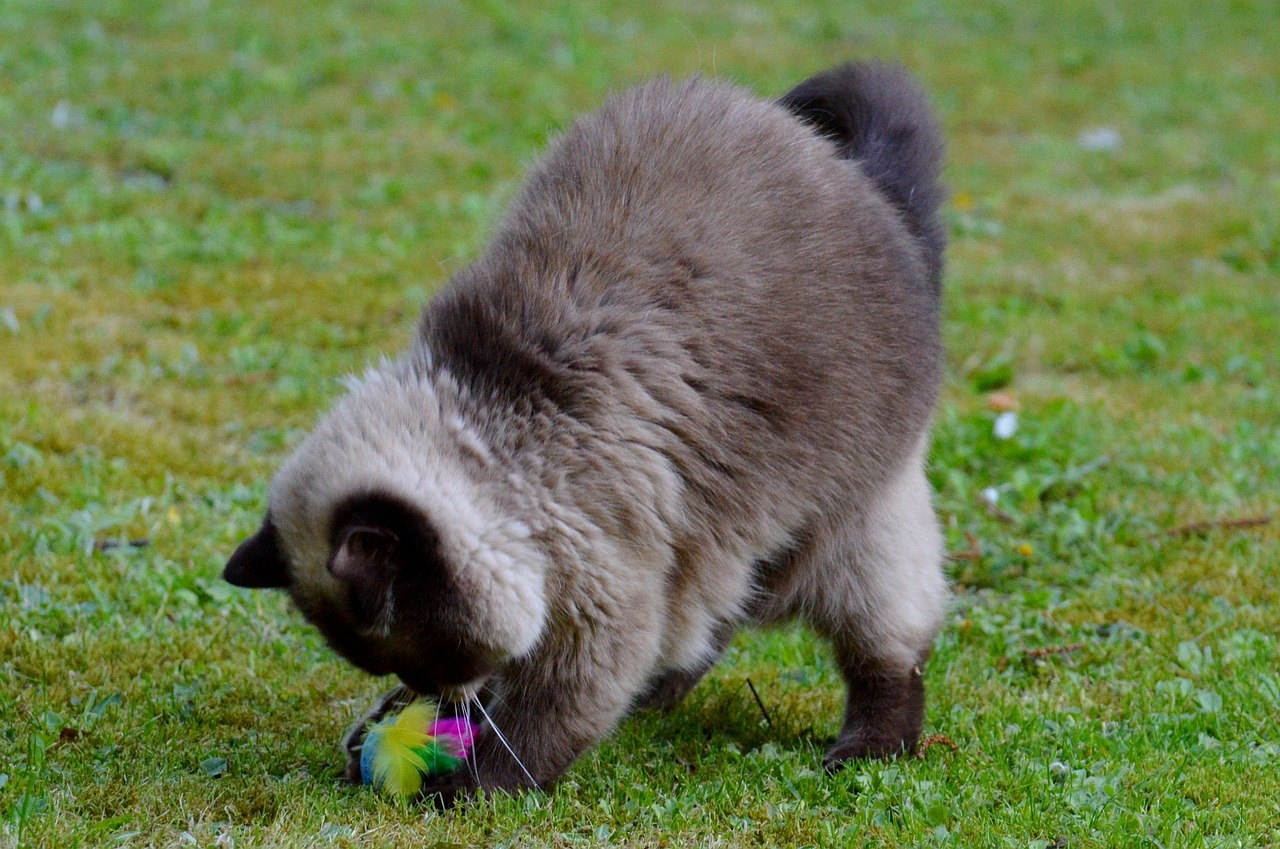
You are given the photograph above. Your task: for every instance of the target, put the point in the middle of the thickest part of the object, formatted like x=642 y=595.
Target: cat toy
x=403 y=750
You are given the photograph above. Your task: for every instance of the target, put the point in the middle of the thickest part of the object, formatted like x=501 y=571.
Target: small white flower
x=62 y=116
x=991 y=495
x=1006 y=425
x=1099 y=138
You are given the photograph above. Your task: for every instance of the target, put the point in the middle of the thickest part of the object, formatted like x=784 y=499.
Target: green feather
x=437 y=758
x=405 y=752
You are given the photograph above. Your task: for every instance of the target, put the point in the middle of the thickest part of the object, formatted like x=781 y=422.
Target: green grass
x=210 y=212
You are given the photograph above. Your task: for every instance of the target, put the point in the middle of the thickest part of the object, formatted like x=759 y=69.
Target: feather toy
x=402 y=750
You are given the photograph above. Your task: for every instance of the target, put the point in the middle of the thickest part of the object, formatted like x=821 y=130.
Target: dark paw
x=445 y=791
x=883 y=717
x=668 y=690
x=861 y=747
x=666 y=693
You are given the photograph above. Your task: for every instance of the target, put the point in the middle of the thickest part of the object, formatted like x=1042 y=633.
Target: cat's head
x=390 y=530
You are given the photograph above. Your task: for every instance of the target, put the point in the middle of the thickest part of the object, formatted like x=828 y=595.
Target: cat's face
x=393 y=551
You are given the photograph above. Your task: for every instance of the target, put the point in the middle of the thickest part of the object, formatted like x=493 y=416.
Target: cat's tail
x=878 y=116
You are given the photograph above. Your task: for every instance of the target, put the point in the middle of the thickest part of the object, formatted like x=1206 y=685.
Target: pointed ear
x=364 y=555
x=258 y=563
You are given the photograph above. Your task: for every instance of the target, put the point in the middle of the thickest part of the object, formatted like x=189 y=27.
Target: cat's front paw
x=445 y=791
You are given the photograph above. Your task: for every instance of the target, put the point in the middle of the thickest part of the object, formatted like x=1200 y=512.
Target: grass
x=211 y=212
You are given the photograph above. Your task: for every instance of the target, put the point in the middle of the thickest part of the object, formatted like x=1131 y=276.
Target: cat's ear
x=364 y=554
x=364 y=561
x=259 y=562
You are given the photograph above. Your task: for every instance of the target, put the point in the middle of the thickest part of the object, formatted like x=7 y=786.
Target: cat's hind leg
x=872 y=582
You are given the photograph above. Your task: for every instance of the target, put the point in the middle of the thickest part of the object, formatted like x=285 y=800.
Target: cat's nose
x=453 y=680
x=451 y=668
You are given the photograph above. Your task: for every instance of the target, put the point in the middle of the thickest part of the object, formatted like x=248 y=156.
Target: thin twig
x=972 y=553
x=767 y=719
x=248 y=379
x=1210 y=524
x=935 y=740
x=996 y=513
x=109 y=544
x=1029 y=655
x=1036 y=654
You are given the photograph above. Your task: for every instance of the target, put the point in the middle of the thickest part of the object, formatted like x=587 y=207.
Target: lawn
x=211 y=212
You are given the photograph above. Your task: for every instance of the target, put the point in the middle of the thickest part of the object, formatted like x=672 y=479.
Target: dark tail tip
x=878 y=115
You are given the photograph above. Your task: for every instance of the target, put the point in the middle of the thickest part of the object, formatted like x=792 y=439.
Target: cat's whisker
x=468 y=754
x=496 y=696
x=506 y=745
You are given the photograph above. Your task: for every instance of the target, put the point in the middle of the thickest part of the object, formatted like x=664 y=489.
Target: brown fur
x=688 y=385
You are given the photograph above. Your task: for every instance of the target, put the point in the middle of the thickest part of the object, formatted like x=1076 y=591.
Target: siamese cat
x=688 y=386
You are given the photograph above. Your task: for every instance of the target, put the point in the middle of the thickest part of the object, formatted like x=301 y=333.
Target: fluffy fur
x=687 y=386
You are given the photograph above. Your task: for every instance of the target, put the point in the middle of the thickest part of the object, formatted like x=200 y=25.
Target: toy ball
x=403 y=750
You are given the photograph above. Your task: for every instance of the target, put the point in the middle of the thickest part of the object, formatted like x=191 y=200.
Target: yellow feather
x=397 y=766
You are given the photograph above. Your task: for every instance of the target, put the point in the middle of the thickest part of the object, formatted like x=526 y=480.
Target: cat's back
x=718 y=251
x=705 y=175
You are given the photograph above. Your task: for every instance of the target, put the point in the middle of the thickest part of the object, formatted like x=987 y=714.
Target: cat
x=687 y=386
